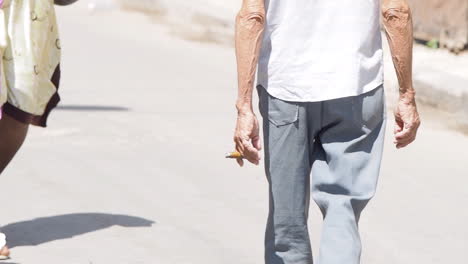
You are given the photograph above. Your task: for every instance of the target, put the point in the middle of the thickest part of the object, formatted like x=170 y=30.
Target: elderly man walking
x=320 y=83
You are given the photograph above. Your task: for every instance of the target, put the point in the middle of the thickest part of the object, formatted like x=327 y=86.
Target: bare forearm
x=249 y=31
x=398 y=26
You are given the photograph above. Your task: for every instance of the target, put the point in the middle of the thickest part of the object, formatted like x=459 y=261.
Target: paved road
x=131 y=169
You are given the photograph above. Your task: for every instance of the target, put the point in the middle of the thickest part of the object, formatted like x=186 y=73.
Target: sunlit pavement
x=131 y=169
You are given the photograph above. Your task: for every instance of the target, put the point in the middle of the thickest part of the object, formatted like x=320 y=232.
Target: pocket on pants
x=373 y=108
x=278 y=112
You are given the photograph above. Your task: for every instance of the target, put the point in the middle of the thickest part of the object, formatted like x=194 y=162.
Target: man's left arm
x=250 y=23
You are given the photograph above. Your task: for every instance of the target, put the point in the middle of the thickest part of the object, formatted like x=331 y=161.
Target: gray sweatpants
x=337 y=142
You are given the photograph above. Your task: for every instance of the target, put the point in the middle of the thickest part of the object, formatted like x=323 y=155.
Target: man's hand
x=247 y=138
x=407 y=122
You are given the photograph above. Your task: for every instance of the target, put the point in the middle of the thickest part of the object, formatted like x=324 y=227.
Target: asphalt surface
x=131 y=168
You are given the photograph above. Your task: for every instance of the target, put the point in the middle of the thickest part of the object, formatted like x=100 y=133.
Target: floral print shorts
x=30 y=57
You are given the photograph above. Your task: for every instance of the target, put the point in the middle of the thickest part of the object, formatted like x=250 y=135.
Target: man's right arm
x=398 y=24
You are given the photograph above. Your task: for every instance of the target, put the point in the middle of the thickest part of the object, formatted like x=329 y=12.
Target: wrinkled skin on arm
x=250 y=23
x=398 y=24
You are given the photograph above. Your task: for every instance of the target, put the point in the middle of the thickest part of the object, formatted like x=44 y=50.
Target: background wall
x=443 y=20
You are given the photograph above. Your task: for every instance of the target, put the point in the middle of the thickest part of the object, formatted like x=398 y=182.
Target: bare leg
x=4 y=253
x=12 y=135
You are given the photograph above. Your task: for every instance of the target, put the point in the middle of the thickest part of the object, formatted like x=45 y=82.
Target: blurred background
x=131 y=167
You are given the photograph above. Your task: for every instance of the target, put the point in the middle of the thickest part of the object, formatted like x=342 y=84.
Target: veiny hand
x=247 y=138
x=407 y=122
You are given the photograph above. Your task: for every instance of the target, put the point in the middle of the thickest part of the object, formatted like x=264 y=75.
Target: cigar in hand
x=234 y=155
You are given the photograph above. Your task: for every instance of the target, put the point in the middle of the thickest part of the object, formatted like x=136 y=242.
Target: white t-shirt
x=317 y=50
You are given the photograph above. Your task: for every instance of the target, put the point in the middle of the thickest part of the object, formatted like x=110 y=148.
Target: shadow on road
x=92 y=108
x=46 y=229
